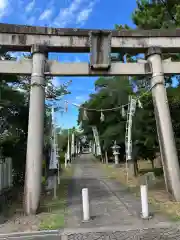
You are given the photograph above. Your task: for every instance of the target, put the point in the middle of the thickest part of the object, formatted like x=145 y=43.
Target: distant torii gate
x=41 y=40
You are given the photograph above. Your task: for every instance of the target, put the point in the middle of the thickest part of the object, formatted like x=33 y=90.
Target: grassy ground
x=157 y=194
x=53 y=211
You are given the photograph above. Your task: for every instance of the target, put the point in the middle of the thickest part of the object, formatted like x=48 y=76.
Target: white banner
x=53 y=115
x=128 y=140
x=68 y=151
x=72 y=145
x=53 y=164
x=96 y=138
x=133 y=106
x=90 y=146
x=50 y=183
x=76 y=147
x=79 y=147
x=94 y=148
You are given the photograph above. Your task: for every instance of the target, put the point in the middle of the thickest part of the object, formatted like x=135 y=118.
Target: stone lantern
x=116 y=153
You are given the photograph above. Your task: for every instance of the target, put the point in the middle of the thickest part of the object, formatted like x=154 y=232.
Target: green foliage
x=110 y=92
x=149 y=14
x=157 y=14
x=113 y=92
x=14 y=110
x=62 y=138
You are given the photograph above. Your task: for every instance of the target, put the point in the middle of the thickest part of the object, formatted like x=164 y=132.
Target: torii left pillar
x=35 y=138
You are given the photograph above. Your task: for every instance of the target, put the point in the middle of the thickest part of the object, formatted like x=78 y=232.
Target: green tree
x=14 y=109
x=110 y=93
x=157 y=14
x=160 y=14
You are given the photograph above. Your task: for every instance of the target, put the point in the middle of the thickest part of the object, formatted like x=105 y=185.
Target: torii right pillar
x=166 y=138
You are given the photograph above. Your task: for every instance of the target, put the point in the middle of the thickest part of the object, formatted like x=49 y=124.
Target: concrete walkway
x=111 y=203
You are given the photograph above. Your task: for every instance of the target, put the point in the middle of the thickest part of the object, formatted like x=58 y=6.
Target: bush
x=61 y=157
x=158 y=172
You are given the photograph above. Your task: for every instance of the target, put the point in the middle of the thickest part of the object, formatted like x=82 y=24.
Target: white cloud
x=68 y=14
x=84 y=14
x=30 y=6
x=4 y=6
x=46 y=14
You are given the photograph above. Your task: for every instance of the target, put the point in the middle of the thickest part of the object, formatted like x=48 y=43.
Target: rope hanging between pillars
x=38 y=84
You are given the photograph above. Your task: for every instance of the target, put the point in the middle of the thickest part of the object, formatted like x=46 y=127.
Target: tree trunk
x=135 y=168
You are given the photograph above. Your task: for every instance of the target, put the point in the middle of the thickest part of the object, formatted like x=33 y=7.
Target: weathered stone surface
x=111 y=203
x=25 y=29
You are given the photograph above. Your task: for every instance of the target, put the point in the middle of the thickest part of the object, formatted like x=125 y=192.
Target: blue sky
x=101 y=14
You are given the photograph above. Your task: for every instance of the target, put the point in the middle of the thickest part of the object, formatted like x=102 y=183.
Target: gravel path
x=111 y=203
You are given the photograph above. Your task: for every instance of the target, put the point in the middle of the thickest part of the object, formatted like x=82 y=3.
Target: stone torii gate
x=100 y=44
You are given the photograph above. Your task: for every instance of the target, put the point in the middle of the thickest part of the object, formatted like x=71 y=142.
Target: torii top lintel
x=35 y=30
x=22 y=37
